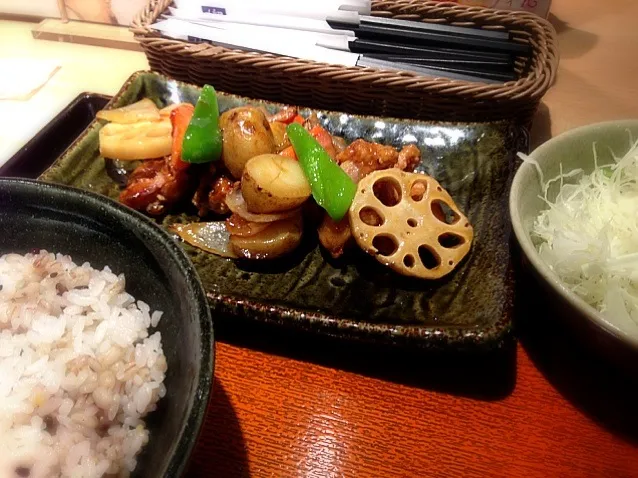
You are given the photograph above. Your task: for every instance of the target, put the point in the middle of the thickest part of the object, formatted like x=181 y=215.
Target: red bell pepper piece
x=180 y=119
x=324 y=139
x=289 y=152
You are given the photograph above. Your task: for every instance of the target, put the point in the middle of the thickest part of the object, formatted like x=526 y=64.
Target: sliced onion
x=209 y=236
x=235 y=202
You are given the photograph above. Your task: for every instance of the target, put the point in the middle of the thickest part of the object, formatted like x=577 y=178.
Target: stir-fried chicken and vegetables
x=276 y=177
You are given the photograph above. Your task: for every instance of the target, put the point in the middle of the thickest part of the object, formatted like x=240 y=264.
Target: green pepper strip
x=331 y=187
x=203 y=138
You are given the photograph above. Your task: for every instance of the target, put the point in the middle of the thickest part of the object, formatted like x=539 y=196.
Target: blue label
x=215 y=10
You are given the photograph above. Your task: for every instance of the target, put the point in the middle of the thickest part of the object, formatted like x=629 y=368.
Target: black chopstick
x=432 y=39
x=375 y=46
x=433 y=27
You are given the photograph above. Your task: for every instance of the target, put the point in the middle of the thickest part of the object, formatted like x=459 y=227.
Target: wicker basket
x=366 y=90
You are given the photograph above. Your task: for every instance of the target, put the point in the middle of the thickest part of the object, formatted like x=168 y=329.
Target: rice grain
x=79 y=369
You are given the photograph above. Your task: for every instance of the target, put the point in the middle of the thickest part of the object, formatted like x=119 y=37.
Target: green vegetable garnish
x=331 y=187
x=203 y=138
x=607 y=171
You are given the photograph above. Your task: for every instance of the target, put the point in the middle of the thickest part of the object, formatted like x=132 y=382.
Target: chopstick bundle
x=343 y=32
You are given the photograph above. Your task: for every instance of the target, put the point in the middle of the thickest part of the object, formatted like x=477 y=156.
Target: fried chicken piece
x=157 y=184
x=217 y=196
x=409 y=158
x=361 y=158
x=211 y=193
x=311 y=121
x=147 y=169
x=335 y=236
x=154 y=186
x=339 y=144
x=200 y=198
x=284 y=115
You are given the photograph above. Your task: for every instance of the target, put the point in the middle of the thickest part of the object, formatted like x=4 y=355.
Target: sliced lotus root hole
x=385 y=244
x=388 y=191
x=429 y=258
x=371 y=216
x=408 y=261
x=23 y=471
x=409 y=223
x=444 y=213
x=450 y=240
x=418 y=190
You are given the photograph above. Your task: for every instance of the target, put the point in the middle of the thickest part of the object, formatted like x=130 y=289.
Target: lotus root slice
x=409 y=223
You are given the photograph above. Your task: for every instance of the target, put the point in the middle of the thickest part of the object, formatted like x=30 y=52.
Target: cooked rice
x=78 y=369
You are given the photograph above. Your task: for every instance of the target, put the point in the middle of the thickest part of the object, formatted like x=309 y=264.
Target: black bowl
x=88 y=227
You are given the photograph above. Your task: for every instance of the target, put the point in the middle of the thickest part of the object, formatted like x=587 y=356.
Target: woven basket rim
x=534 y=84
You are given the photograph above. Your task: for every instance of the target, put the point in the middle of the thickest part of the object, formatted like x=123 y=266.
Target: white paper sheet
x=21 y=78
x=22 y=111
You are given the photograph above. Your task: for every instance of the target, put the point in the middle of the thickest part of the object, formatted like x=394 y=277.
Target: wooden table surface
x=289 y=406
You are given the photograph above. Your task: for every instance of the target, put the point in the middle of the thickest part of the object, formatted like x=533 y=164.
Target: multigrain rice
x=78 y=369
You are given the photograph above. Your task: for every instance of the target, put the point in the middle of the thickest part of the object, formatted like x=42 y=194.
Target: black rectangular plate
x=52 y=140
x=356 y=298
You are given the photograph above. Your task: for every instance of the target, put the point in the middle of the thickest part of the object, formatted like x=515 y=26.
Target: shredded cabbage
x=589 y=235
